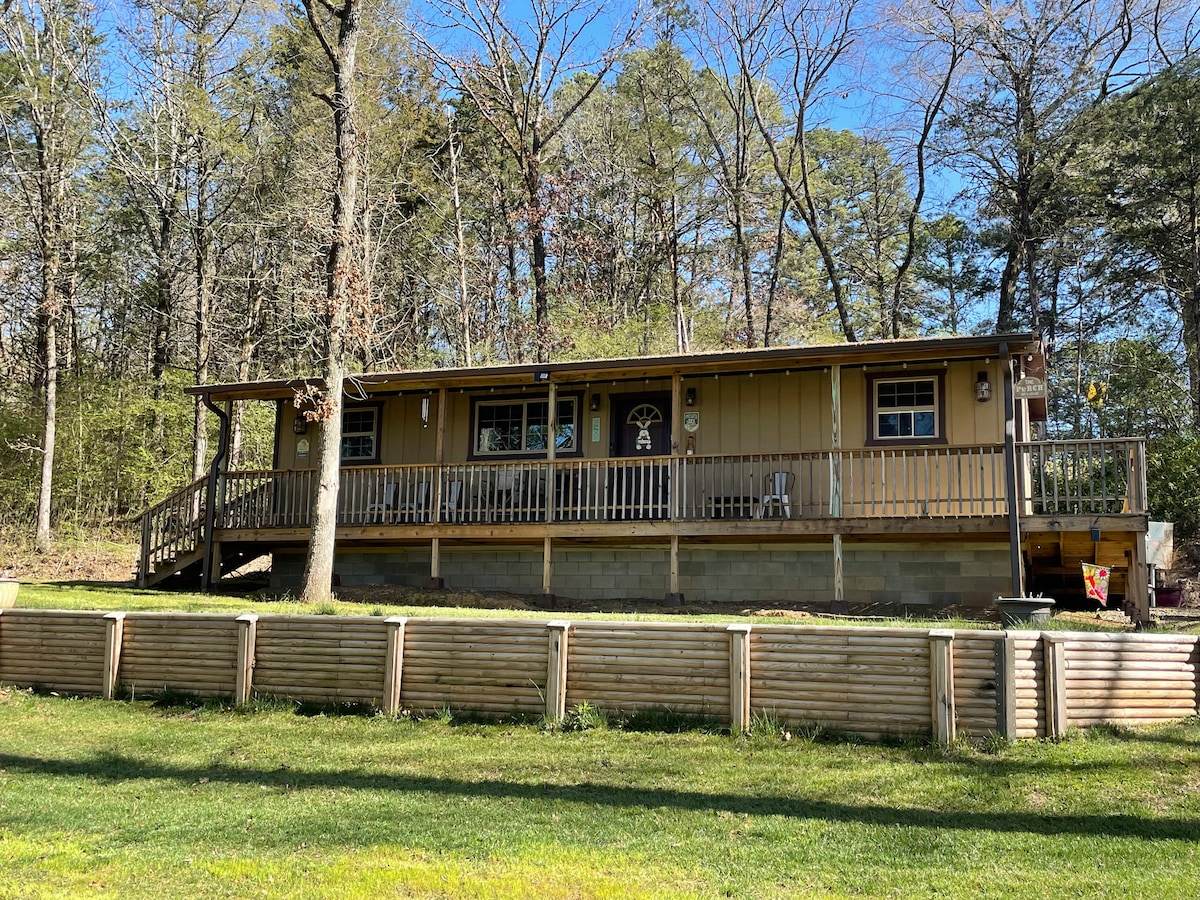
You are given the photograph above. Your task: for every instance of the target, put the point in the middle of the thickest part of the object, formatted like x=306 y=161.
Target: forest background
x=563 y=179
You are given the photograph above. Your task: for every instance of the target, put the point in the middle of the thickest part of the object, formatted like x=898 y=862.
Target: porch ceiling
x=731 y=362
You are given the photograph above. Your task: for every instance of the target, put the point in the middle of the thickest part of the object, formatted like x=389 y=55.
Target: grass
x=82 y=595
x=103 y=799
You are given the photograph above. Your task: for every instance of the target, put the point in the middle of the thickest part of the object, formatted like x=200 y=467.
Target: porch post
x=674 y=597
x=439 y=454
x=547 y=550
x=210 y=498
x=1017 y=576
x=552 y=471
x=835 y=488
x=1137 y=587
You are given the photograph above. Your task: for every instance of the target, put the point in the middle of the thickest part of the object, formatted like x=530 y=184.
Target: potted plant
x=1019 y=610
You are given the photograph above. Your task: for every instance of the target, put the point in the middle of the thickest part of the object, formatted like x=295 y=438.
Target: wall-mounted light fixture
x=541 y=376
x=594 y=403
x=983 y=388
x=300 y=424
x=689 y=397
x=424 y=412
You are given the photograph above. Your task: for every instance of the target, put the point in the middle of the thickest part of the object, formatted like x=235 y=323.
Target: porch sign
x=1095 y=580
x=1029 y=388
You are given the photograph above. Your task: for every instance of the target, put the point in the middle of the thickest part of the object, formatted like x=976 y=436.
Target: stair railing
x=171 y=529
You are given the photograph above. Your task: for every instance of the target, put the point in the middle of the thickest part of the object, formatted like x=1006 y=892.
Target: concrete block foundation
x=909 y=574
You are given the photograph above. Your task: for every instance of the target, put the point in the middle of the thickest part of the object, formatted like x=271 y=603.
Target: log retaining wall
x=868 y=681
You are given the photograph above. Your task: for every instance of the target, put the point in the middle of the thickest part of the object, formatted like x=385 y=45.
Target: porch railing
x=173 y=528
x=939 y=482
x=1082 y=477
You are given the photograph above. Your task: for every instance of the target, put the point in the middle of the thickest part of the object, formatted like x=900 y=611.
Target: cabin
x=904 y=473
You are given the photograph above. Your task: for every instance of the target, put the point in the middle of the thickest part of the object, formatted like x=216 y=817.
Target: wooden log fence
x=868 y=681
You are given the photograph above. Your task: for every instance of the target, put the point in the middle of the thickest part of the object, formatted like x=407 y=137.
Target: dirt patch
x=83 y=560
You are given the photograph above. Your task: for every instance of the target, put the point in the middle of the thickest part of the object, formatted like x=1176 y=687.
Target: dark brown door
x=641 y=427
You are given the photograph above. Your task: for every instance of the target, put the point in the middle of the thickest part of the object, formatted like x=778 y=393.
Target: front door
x=641 y=428
x=643 y=425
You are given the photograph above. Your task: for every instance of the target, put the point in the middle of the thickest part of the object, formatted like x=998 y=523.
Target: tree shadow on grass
x=117 y=768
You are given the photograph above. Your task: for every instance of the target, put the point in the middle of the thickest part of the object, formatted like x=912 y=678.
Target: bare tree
x=510 y=69
x=337 y=30
x=45 y=127
x=1033 y=69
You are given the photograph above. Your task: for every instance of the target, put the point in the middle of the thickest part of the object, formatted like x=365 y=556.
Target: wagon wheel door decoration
x=641 y=418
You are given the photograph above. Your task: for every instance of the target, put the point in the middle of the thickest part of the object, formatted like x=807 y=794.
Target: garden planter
x=1020 y=610
x=8 y=592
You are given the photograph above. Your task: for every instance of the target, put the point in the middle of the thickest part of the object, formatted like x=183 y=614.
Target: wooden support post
x=558 y=635
x=676 y=413
x=247 y=638
x=214 y=575
x=547 y=560
x=435 y=583
x=551 y=469
x=839 y=605
x=1137 y=583
x=114 y=633
x=1016 y=572
x=439 y=477
x=1055 y=670
x=739 y=678
x=1006 y=687
x=941 y=684
x=674 y=597
x=393 y=667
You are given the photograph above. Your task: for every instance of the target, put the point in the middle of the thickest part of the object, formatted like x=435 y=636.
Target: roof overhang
x=866 y=353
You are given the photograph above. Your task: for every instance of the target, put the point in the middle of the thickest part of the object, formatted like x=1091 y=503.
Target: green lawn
x=116 y=598
x=133 y=800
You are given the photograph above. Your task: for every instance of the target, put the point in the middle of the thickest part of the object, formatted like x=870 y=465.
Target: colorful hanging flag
x=1095 y=581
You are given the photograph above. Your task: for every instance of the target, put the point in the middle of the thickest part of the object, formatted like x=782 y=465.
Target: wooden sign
x=1029 y=388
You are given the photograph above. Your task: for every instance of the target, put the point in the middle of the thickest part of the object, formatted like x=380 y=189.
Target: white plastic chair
x=391 y=496
x=777 y=491
x=451 y=500
x=418 y=508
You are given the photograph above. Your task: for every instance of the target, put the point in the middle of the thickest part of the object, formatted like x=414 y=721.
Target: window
x=522 y=427
x=360 y=434
x=905 y=409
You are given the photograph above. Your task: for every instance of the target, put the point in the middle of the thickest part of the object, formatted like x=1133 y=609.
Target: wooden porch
x=1059 y=486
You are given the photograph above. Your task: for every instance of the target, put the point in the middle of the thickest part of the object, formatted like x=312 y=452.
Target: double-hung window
x=360 y=434
x=905 y=409
x=521 y=427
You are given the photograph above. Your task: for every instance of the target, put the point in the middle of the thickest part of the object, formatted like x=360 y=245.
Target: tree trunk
x=339 y=288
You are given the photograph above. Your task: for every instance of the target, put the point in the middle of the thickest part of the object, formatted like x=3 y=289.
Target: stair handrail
x=171 y=526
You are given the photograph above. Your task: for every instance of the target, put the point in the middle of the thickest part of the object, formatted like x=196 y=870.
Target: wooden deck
x=935 y=491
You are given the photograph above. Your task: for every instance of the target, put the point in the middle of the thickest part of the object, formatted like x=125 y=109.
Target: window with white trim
x=522 y=427
x=360 y=434
x=906 y=409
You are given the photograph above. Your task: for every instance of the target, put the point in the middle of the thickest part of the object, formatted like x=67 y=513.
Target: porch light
x=594 y=403
x=300 y=424
x=983 y=388
x=689 y=397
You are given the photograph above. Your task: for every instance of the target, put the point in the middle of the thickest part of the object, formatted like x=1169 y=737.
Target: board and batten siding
x=773 y=412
